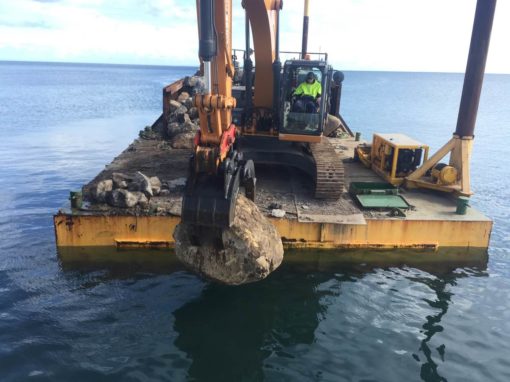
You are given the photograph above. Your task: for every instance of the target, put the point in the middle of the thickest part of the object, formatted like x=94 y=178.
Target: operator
x=308 y=93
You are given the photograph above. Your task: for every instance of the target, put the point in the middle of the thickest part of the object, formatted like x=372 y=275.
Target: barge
x=429 y=230
x=429 y=222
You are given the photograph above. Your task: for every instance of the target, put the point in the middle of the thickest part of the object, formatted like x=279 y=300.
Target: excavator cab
x=303 y=114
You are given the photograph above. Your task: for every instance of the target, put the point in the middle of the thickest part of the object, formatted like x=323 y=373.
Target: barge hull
x=81 y=232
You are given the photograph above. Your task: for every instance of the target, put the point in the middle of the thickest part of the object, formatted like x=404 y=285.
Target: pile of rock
x=126 y=191
x=183 y=121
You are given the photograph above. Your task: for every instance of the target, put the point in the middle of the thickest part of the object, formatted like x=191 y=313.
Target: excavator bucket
x=206 y=203
x=210 y=200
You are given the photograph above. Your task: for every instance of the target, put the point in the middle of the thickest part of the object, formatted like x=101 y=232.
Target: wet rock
x=246 y=252
x=120 y=180
x=122 y=198
x=101 y=189
x=155 y=185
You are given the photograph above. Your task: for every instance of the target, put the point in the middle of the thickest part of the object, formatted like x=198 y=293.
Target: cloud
x=86 y=33
x=428 y=35
x=25 y=24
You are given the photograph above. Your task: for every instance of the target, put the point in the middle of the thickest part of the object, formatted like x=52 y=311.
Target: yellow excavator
x=260 y=121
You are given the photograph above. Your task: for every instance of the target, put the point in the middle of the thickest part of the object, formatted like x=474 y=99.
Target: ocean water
x=61 y=123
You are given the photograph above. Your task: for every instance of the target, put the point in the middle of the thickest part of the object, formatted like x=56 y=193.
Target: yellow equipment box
x=394 y=156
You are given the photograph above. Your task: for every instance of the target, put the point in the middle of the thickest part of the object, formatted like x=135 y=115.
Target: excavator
x=256 y=120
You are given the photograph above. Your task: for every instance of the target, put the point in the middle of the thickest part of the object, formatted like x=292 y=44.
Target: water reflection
x=440 y=286
x=229 y=332
x=429 y=368
x=238 y=333
x=308 y=320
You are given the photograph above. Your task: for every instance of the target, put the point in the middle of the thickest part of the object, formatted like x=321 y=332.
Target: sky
x=399 y=35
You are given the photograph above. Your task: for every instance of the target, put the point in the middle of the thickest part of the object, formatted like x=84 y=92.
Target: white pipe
x=207 y=77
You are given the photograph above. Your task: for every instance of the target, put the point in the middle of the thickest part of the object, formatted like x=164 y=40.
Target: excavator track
x=329 y=179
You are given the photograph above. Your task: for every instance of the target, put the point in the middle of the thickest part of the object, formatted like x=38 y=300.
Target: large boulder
x=155 y=185
x=122 y=198
x=121 y=180
x=141 y=199
x=100 y=190
x=141 y=183
x=246 y=252
x=332 y=124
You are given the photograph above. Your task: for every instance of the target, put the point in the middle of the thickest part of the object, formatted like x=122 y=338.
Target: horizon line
x=196 y=66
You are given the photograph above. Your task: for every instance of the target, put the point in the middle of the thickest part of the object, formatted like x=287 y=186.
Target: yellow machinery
x=444 y=174
x=394 y=156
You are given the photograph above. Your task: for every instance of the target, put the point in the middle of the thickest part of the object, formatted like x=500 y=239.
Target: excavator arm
x=215 y=104
x=216 y=170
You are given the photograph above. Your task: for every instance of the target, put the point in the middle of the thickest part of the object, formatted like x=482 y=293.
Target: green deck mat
x=382 y=201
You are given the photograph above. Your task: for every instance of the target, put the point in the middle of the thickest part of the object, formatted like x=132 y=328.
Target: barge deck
x=429 y=231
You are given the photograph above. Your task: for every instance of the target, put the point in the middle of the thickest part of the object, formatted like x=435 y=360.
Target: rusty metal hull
x=423 y=241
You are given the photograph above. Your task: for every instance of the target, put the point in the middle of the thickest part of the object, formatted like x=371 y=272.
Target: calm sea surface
x=60 y=124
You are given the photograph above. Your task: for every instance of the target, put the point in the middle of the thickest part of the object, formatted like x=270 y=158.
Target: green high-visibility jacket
x=313 y=90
